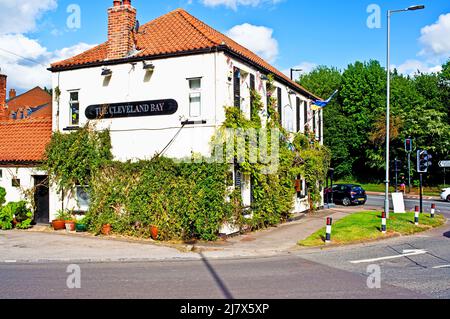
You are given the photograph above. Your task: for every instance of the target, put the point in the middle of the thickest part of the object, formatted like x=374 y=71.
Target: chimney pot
x=12 y=94
x=127 y=2
x=117 y=3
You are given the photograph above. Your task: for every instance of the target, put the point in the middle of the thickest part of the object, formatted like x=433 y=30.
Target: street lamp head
x=419 y=7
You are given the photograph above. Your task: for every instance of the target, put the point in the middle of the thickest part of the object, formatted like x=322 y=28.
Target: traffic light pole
x=409 y=172
x=396 y=174
x=421 y=193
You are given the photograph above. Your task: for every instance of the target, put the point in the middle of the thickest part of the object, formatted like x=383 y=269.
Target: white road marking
x=406 y=253
x=442 y=266
x=10 y=261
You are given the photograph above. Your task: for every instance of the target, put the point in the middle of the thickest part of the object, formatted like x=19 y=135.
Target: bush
x=17 y=210
x=183 y=200
x=2 y=196
x=7 y=216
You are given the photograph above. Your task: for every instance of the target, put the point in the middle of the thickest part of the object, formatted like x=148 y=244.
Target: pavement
x=41 y=245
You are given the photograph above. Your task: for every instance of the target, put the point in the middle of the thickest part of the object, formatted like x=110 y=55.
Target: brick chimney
x=12 y=94
x=121 y=23
x=2 y=93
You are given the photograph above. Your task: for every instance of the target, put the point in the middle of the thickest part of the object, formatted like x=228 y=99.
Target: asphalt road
x=273 y=278
x=441 y=206
x=410 y=267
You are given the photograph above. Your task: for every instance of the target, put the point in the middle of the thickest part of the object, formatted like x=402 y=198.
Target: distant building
x=31 y=104
x=22 y=147
x=25 y=131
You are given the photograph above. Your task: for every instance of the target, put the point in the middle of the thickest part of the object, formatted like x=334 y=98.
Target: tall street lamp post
x=388 y=70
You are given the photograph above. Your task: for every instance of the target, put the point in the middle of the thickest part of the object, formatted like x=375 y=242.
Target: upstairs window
x=1 y=173
x=74 y=109
x=280 y=106
x=237 y=87
x=195 y=97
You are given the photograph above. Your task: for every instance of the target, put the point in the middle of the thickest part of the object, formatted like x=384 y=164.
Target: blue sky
x=287 y=32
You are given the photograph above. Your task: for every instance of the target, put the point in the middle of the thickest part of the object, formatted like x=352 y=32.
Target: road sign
x=444 y=164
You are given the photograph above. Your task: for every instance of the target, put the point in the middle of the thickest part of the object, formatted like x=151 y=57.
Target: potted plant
x=106 y=229
x=81 y=225
x=154 y=232
x=70 y=221
x=59 y=223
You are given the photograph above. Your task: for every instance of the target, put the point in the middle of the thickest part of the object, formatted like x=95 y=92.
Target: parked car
x=445 y=195
x=347 y=194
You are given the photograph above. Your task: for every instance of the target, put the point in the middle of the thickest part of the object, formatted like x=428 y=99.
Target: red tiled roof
x=33 y=98
x=24 y=140
x=175 y=32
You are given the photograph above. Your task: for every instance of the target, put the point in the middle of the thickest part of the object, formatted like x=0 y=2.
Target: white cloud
x=22 y=72
x=233 y=4
x=436 y=38
x=20 y=16
x=411 y=67
x=258 y=39
x=23 y=59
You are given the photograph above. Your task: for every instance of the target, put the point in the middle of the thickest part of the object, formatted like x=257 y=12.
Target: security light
x=264 y=77
x=106 y=72
x=148 y=66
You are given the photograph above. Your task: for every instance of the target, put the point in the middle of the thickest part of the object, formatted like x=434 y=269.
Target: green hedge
x=183 y=200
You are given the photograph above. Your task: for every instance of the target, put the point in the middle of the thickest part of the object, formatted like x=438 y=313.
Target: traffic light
x=408 y=145
x=397 y=165
x=423 y=161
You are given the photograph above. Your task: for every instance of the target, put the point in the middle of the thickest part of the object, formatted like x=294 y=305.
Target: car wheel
x=448 y=198
x=346 y=201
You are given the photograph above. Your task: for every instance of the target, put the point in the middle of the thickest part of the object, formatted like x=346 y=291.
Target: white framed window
x=74 y=111
x=195 y=97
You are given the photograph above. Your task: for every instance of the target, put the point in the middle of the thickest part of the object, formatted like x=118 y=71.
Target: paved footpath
x=44 y=246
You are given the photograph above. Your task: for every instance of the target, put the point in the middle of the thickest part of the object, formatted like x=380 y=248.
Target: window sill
x=200 y=122
x=71 y=128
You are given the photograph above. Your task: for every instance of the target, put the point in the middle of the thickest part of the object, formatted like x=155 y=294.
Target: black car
x=347 y=194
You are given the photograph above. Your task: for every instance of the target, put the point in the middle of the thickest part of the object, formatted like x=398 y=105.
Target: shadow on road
x=222 y=286
x=447 y=234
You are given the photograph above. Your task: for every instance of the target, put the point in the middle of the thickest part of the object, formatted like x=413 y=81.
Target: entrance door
x=41 y=199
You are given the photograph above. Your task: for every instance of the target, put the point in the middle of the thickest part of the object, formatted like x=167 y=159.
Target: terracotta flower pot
x=70 y=225
x=59 y=224
x=106 y=229
x=154 y=232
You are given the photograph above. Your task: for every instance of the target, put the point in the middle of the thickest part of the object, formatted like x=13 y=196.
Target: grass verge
x=366 y=226
x=380 y=188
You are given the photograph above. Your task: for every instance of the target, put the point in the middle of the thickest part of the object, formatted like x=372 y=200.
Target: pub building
x=147 y=81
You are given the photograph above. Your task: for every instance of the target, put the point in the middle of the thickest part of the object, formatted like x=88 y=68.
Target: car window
x=357 y=189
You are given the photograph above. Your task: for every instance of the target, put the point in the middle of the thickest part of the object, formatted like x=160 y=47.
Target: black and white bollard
x=383 y=222
x=328 y=231
x=416 y=216
x=433 y=210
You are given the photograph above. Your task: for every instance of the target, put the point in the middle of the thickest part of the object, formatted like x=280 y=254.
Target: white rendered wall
x=24 y=174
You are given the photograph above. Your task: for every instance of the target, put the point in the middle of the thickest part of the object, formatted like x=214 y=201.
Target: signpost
x=444 y=165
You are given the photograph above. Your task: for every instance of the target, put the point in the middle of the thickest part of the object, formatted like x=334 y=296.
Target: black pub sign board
x=131 y=109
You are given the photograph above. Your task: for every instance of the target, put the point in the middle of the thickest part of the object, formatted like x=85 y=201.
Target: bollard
x=383 y=222
x=416 y=216
x=328 y=231
x=433 y=210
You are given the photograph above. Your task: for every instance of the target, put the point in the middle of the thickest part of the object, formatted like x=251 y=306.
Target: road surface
x=410 y=267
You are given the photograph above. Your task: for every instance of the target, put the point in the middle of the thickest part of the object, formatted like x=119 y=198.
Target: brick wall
x=2 y=92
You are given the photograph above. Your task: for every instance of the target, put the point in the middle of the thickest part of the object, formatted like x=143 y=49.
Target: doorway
x=41 y=200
